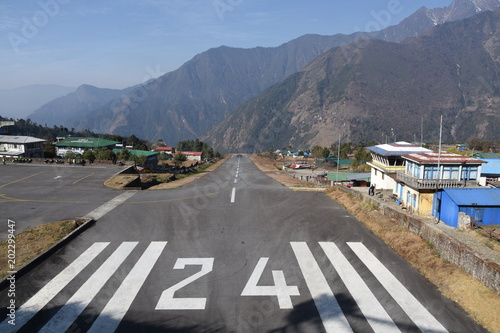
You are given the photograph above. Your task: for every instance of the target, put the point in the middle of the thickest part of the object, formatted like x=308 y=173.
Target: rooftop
x=397 y=149
x=19 y=139
x=475 y=197
x=443 y=157
x=86 y=142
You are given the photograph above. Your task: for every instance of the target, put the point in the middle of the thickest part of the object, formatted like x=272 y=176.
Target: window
x=469 y=173
x=416 y=171
x=431 y=172
x=450 y=172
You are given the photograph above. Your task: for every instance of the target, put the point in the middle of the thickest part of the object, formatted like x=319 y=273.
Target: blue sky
x=115 y=44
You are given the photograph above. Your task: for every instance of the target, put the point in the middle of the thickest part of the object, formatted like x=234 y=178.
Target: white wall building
x=387 y=161
x=12 y=146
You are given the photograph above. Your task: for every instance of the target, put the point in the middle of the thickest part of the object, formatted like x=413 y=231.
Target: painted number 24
x=280 y=289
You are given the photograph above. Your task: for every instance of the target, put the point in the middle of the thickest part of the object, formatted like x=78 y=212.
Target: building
x=151 y=156
x=166 y=150
x=387 y=160
x=457 y=207
x=193 y=155
x=490 y=173
x=425 y=174
x=12 y=146
x=80 y=145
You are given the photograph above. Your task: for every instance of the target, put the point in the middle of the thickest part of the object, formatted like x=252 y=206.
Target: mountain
x=424 y=19
x=186 y=103
x=19 y=102
x=70 y=110
x=380 y=90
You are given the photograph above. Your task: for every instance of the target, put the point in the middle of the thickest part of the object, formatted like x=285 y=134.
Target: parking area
x=31 y=195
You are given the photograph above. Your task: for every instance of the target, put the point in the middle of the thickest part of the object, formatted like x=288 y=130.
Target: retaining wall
x=484 y=270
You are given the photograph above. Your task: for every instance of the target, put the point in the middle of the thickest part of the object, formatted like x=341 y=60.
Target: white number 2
x=280 y=289
x=167 y=300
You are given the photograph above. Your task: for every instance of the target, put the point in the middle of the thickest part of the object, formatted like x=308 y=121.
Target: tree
x=89 y=155
x=49 y=150
x=179 y=158
x=317 y=151
x=105 y=154
x=124 y=154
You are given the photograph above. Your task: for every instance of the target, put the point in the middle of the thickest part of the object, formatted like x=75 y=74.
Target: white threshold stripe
x=375 y=314
x=51 y=289
x=233 y=195
x=118 y=305
x=329 y=310
x=110 y=205
x=65 y=317
x=413 y=308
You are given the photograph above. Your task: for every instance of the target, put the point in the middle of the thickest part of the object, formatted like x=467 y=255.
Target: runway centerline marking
x=233 y=195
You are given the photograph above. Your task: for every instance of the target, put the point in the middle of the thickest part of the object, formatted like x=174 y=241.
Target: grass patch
x=31 y=243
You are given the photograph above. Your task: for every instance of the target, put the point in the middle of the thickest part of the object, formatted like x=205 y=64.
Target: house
x=193 y=155
x=151 y=156
x=80 y=145
x=387 y=161
x=457 y=207
x=425 y=174
x=166 y=150
x=490 y=173
x=21 y=146
x=344 y=177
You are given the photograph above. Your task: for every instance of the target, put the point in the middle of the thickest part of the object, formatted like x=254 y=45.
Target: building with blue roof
x=457 y=207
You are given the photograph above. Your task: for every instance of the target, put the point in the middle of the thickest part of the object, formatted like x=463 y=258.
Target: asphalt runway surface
x=35 y=194
x=232 y=252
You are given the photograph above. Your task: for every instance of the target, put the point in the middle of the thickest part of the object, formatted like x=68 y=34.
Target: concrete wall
x=485 y=271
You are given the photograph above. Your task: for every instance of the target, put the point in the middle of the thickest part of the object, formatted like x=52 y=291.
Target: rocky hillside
x=379 y=90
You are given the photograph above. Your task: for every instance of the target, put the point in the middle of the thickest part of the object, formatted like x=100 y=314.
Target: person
x=3 y=160
x=371 y=190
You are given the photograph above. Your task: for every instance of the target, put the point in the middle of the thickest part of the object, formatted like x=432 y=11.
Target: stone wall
x=450 y=248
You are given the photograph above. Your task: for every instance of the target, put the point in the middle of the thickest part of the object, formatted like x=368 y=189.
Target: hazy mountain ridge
x=69 y=110
x=20 y=102
x=378 y=90
x=187 y=102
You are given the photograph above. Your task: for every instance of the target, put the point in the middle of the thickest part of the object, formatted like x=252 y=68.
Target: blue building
x=456 y=206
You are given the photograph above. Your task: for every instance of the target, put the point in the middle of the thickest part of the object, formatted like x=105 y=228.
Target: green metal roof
x=344 y=176
x=486 y=155
x=86 y=143
x=138 y=153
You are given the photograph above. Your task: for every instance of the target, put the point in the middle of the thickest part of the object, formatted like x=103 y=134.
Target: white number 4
x=280 y=289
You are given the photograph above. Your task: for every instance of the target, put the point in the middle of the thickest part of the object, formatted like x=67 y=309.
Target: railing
x=420 y=184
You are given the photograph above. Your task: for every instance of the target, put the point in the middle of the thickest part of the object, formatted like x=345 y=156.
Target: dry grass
x=30 y=243
x=118 y=182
